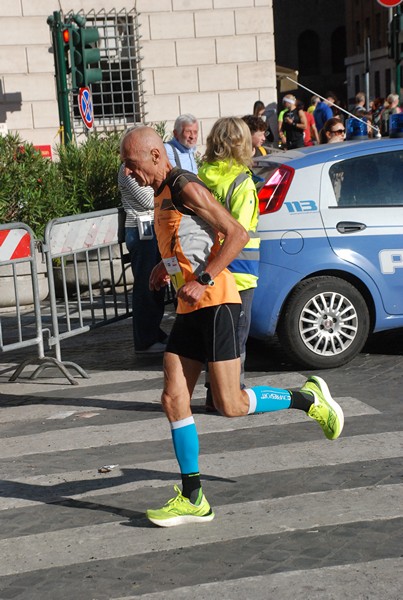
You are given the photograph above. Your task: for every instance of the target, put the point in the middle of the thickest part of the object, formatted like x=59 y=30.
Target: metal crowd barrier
x=88 y=283
x=19 y=286
x=88 y=277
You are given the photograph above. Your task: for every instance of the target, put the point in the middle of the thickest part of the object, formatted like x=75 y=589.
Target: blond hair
x=229 y=139
x=392 y=98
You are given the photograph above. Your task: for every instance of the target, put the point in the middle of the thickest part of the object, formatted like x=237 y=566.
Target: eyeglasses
x=338 y=132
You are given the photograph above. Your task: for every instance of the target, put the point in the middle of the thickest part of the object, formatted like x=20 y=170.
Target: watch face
x=205 y=278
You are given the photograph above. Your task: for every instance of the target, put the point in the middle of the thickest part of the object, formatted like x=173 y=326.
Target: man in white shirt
x=148 y=306
x=181 y=149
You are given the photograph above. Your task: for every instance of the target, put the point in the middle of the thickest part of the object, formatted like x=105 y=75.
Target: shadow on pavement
x=60 y=493
x=269 y=355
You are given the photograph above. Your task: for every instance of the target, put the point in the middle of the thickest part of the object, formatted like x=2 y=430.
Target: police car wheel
x=325 y=323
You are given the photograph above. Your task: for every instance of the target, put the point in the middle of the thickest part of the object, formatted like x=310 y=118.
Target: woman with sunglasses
x=332 y=131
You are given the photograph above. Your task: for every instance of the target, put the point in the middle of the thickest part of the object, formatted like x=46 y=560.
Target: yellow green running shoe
x=324 y=410
x=180 y=510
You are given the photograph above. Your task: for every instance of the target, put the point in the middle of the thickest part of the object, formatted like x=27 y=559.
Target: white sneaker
x=157 y=348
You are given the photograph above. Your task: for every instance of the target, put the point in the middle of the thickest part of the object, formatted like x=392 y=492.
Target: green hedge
x=35 y=190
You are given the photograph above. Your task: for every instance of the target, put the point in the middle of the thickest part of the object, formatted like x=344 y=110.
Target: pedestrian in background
x=182 y=147
x=257 y=128
x=323 y=111
x=391 y=107
x=259 y=109
x=226 y=173
x=285 y=106
x=359 y=109
x=377 y=106
x=332 y=131
x=267 y=114
x=148 y=306
x=336 y=107
x=294 y=124
x=311 y=135
x=314 y=102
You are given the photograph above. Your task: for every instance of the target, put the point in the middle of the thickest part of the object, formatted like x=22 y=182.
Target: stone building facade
x=369 y=21
x=311 y=38
x=208 y=57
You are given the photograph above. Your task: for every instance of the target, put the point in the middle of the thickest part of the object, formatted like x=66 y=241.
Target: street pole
x=367 y=69
x=56 y=26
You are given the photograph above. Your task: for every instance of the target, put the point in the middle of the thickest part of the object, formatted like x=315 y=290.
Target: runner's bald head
x=142 y=139
x=144 y=156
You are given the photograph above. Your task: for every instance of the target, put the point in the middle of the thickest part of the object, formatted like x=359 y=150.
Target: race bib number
x=173 y=270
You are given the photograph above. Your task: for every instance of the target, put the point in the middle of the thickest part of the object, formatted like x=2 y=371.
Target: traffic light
x=61 y=44
x=73 y=52
x=83 y=54
x=66 y=39
x=392 y=35
x=395 y=48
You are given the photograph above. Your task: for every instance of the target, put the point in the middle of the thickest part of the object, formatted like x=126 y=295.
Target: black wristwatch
x=205 y=278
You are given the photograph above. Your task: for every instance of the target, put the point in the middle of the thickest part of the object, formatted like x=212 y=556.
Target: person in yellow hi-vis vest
x=227 y=175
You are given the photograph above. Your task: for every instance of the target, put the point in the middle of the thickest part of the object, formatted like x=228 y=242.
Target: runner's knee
x=176 y=407
x=231 y=407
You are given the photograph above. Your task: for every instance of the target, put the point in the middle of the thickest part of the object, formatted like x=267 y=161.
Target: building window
x=358 y=34
x=338 y=49
x=308 y=53
x=377 y=84
x=117 y=99
x=388 y=82
x=378 y=34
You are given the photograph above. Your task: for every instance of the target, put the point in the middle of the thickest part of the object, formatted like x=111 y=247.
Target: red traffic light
x=66 y=36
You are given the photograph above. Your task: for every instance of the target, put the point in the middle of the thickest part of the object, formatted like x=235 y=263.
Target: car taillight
x=273 y=193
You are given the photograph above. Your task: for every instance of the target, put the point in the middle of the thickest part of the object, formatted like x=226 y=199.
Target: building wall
x=322 y=18
x=368 y=19
x=365 y=19
x=208 y=57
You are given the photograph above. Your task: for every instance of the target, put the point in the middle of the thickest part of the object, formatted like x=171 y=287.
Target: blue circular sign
x=85 y=107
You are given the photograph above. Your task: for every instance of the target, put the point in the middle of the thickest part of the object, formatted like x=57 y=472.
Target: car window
x=375 y=180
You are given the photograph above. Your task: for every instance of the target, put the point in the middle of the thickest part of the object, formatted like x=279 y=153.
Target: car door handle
x=349 y=226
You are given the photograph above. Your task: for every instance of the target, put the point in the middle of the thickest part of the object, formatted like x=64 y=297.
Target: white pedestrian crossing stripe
x=155 y=430
x=380 y=576
x=303 y=455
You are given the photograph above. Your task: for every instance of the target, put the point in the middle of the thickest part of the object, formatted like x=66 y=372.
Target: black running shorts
x=208 y=334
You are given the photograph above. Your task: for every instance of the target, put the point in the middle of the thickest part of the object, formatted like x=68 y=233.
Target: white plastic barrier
x=19 y=282
x=89 y=274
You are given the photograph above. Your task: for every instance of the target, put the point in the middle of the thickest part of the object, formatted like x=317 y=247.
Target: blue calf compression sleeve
x=267 y=399
x=186 y=445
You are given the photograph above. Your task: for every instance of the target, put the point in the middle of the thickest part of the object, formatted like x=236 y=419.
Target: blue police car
x=331 y=266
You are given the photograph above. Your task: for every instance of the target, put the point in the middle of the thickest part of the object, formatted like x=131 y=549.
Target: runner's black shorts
x=208 y=334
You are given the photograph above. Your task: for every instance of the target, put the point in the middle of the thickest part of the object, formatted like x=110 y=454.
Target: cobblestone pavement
x=297 y=517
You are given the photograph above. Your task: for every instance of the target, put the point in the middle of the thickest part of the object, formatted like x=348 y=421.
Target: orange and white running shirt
x=187 y=243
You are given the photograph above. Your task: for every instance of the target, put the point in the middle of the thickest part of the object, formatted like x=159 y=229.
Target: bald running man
x=189 y=225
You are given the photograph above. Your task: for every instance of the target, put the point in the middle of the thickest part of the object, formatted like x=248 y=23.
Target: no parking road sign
x=85 y=107
x=389 y=3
